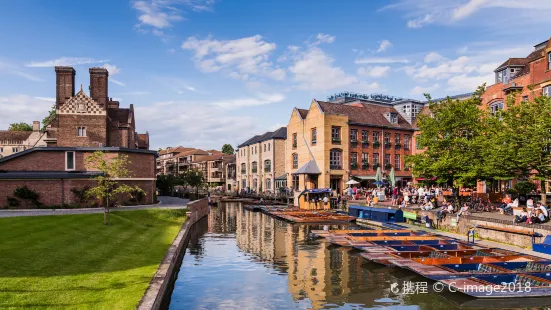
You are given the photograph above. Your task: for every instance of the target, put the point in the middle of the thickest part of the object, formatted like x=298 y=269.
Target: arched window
x=267 y=165
x=496 y=106
x=295 y=160
x=335 y=159
x=254 y=167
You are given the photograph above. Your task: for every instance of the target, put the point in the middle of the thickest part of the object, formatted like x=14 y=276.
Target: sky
x=202 y=73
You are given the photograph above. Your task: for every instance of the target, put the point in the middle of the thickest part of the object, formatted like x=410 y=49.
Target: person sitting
x=450 y=208
x=428 y=206
x=464 y=211
x=544 y=210
x=506 y=207
x=538 y=218
x=522 y=217
x=530 y=203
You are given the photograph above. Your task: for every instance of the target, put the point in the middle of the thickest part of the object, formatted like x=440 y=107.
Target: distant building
x=261 y=160
x=83 y=124
x=16 y=141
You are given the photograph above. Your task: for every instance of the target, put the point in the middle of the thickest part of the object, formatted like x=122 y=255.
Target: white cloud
x=384 y=45
x=22 y=108
x=433 y=57
x=313 y=70
x=157 y=15
x=240 y=58
x=112 y=69
x=324 y=38
x=262 y=99
x=9 y=68
x=424 y=12
x=419 y=90
x=135 y=93
x=469 y=83
x=49 y=99
x=463 y=50
x=380 y=60
x=117 y=82
x=64 y=61
x=376 y=71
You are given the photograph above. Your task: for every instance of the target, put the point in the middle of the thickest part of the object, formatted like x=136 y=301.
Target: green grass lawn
x=74 y=261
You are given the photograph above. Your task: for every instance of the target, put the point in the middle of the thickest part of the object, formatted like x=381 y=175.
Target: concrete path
x=165 y=203
x=479 y=241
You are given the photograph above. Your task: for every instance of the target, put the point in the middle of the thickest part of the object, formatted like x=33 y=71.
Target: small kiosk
x=314 y=198
x=376 y=214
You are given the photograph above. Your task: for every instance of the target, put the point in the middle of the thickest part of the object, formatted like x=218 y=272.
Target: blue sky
x=203 y=73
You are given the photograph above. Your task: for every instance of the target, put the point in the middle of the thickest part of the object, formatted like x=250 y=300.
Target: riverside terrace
x=489 y=225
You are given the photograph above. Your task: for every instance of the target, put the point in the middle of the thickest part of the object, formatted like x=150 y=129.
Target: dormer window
x=392 y=117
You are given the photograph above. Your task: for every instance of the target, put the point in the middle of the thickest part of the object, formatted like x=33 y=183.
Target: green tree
x=519 y=141
x=166 y=183
x=194 y=178
x=20 y=127
x=452 y=136
x=228 y=149
x=107 y=187
x=49 y=118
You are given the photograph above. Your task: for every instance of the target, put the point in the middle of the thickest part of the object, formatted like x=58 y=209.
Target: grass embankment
x=74 y=261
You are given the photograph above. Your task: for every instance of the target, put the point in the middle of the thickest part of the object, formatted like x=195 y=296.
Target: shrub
x=136 y=196
x=13 y=203
x=28 y=196
x=81 y=194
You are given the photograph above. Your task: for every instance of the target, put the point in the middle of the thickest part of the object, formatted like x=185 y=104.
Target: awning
x=309 y=168
x=364 y=177
x=319 y=190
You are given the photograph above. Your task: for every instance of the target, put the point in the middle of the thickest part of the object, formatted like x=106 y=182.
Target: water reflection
x=248 y=260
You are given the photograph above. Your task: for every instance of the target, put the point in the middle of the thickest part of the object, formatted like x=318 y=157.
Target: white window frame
x=74 y=161
x=549 y=61
x=546 y=90
x=81 y=131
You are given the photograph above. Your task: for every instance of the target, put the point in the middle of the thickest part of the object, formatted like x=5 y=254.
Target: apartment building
x=349 y=138
x=260 y=160
x=215 y=169
x=14 y=141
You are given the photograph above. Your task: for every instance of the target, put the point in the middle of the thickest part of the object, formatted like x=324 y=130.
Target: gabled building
x=261 y=160
x=14 y=141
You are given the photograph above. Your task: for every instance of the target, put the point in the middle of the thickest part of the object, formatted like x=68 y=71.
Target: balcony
x=376 y=165
x=353 y=142
x=388 y=166
x=397 y=146
x=365 y=143
x=388 y=145
x=376 y=144
x=354 y=166
x=365 y=165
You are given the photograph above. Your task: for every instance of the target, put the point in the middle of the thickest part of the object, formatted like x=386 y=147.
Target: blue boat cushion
x=435 y=254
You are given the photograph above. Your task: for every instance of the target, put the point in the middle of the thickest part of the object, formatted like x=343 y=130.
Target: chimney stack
x=36 y=126
x=98 y=86
x=65 y=84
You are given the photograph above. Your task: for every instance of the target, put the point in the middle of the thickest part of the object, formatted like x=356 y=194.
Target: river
x=240 y=259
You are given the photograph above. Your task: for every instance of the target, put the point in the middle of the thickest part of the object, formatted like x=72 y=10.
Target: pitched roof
x=14 y=135
x=280 y=133
x=81 y=100
x=309 y=168
x=303 y=113
x=190 y=151
x=221 y=156
x=177 y=149
x=369 y=114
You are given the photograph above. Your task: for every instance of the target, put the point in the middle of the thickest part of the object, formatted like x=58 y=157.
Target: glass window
x=397 y=138
x=365 y=160
x=255 y=183
x=397 y=162
x=295 y=160
x=365 y=135
x=269 y=147
x=69 y=160
x=387 y=138
x=335 y=159
x=375 y=158
x=407 y=139
x=295 y=182
x=353 y=135
x=496 y=106
x=336 y=134
x=264 y=147
x=81 y=131
x=268 y=183
x=254 y=166
x=353 y=158
x=295 y=140
x=375 y=136
x=417 y=146
x=387 y=159
x=314 y=135
x=549 y=61
x=525 y=98
x=267 y=165
x=547 y=91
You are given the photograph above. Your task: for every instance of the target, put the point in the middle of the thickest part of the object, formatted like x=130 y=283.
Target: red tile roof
x=369 y=114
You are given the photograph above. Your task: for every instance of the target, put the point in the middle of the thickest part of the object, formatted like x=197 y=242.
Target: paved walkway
x=165 y=202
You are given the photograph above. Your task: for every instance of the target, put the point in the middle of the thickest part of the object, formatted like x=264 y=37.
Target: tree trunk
x=543 y=192
x=106 y=213
x=197 y=193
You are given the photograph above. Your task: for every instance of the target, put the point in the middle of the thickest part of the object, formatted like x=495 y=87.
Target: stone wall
x=160 y=288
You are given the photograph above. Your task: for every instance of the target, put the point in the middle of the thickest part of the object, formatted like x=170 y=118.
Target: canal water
x=238 y=259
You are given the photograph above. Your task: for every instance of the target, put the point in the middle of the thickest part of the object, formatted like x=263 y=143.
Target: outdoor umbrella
x=352 y=182
x=392 y=177
x=378 y=177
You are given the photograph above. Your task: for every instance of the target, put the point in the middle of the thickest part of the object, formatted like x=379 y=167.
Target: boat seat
x=435 y=254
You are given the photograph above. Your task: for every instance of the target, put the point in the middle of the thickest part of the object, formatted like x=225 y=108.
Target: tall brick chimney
x=98 y=86
x=36 y=126
x=65 y=84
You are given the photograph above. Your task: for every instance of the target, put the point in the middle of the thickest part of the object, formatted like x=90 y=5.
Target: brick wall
x=96 y=130
x=279 y=158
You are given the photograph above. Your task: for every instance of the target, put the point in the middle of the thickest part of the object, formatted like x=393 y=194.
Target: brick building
x=261 y=160
x=349 y=137
x=14 y=141
x=83 y=124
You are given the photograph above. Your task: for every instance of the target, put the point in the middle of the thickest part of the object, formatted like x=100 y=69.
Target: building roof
x=177 y=149
x=303 y=113
x=76 y=149
x=191 y=151
x=309 y=168
x=280 y=133
x=14 y=135
x=367 y=114
x=214 y=157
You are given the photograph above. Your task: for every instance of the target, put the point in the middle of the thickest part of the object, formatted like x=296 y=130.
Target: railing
x=365 y=166
x=353 y=166
x=365 y=143
x=397 y=146
x=376 y=144
x=388 y=145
